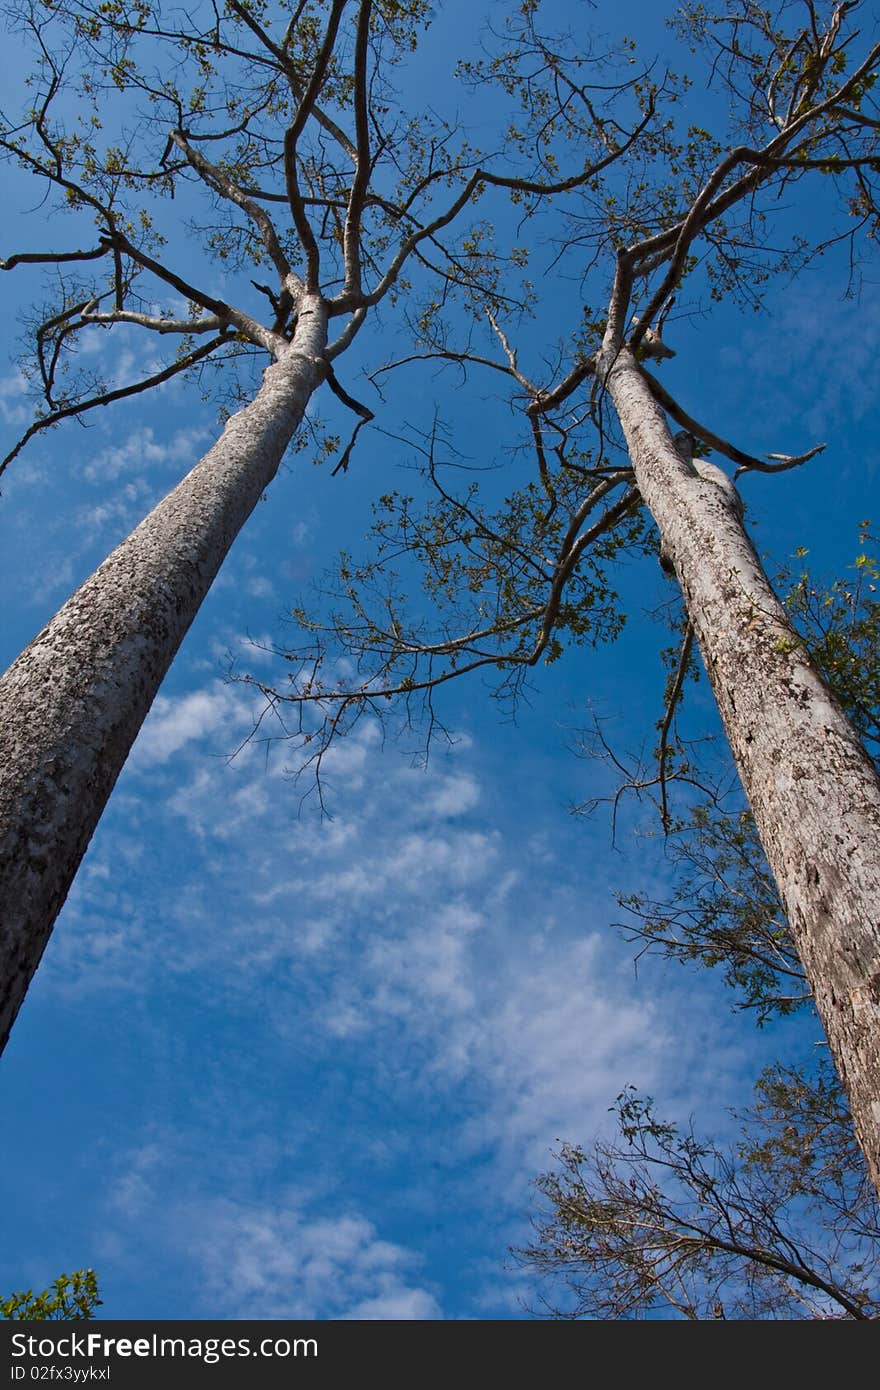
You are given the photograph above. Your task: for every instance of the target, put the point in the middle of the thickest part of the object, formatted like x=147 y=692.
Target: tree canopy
x=69 y=1298
x=662 y=1222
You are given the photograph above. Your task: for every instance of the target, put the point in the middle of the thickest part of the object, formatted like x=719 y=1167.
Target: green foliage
x=840 y=622
x=71 y=1297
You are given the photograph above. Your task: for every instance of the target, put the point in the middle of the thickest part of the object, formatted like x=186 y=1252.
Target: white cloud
x=117 y=514
x=397 y=1305
x=57 y=578
x=460 y=955
x=259 y=587
x=273 y=1259
x=13 y=391
x=254 y=650
x=302 y=531
x=141 y=451
x=175 y=721
x=454 y=796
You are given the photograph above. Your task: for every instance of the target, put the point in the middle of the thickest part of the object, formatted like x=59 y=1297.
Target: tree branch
x=746 y=461
x=684 y=657
x=226 y=187
x=159 y=325
x=363 y=162
x=55 y=258
x=108 y=397
x=291 y=137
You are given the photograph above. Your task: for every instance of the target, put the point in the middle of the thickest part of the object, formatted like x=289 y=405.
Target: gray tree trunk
x=73 y=702
x=813 y=790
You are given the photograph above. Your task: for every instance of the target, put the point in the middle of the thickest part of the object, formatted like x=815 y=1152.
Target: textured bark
x=72 y=704
x=813 y=790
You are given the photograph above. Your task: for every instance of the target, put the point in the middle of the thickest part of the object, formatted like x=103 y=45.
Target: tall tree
x=286 y=124
x=515 y=581
x=658 y=1221
x=725 y=911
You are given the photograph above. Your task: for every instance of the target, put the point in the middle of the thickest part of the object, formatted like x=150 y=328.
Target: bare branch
x=569 y=559
x=108 y=397
x=57 y=257
x=362 y=410
x=545 y=189
x=746 y=461
x=783 y=463
x=228 y=188
x=209 y=324
x=363 y=162
x=442 y=355
x=684 y=657
x=707 y=207
x=291 y=138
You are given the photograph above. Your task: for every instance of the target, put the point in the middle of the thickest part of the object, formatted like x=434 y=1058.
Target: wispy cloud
x=410 y=925
x=77 y=525
x=253 y=1257
x=778 y=373
x=141 y=451
x=13 y=392
x=174 y=722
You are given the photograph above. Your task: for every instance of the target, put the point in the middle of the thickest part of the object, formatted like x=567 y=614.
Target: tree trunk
x=72 y=704
x=813 y=790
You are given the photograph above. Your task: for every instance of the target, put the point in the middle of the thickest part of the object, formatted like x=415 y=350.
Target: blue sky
x=275 y=1065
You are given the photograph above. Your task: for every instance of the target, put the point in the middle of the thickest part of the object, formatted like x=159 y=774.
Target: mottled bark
x=813 y=790
x=72 y=704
